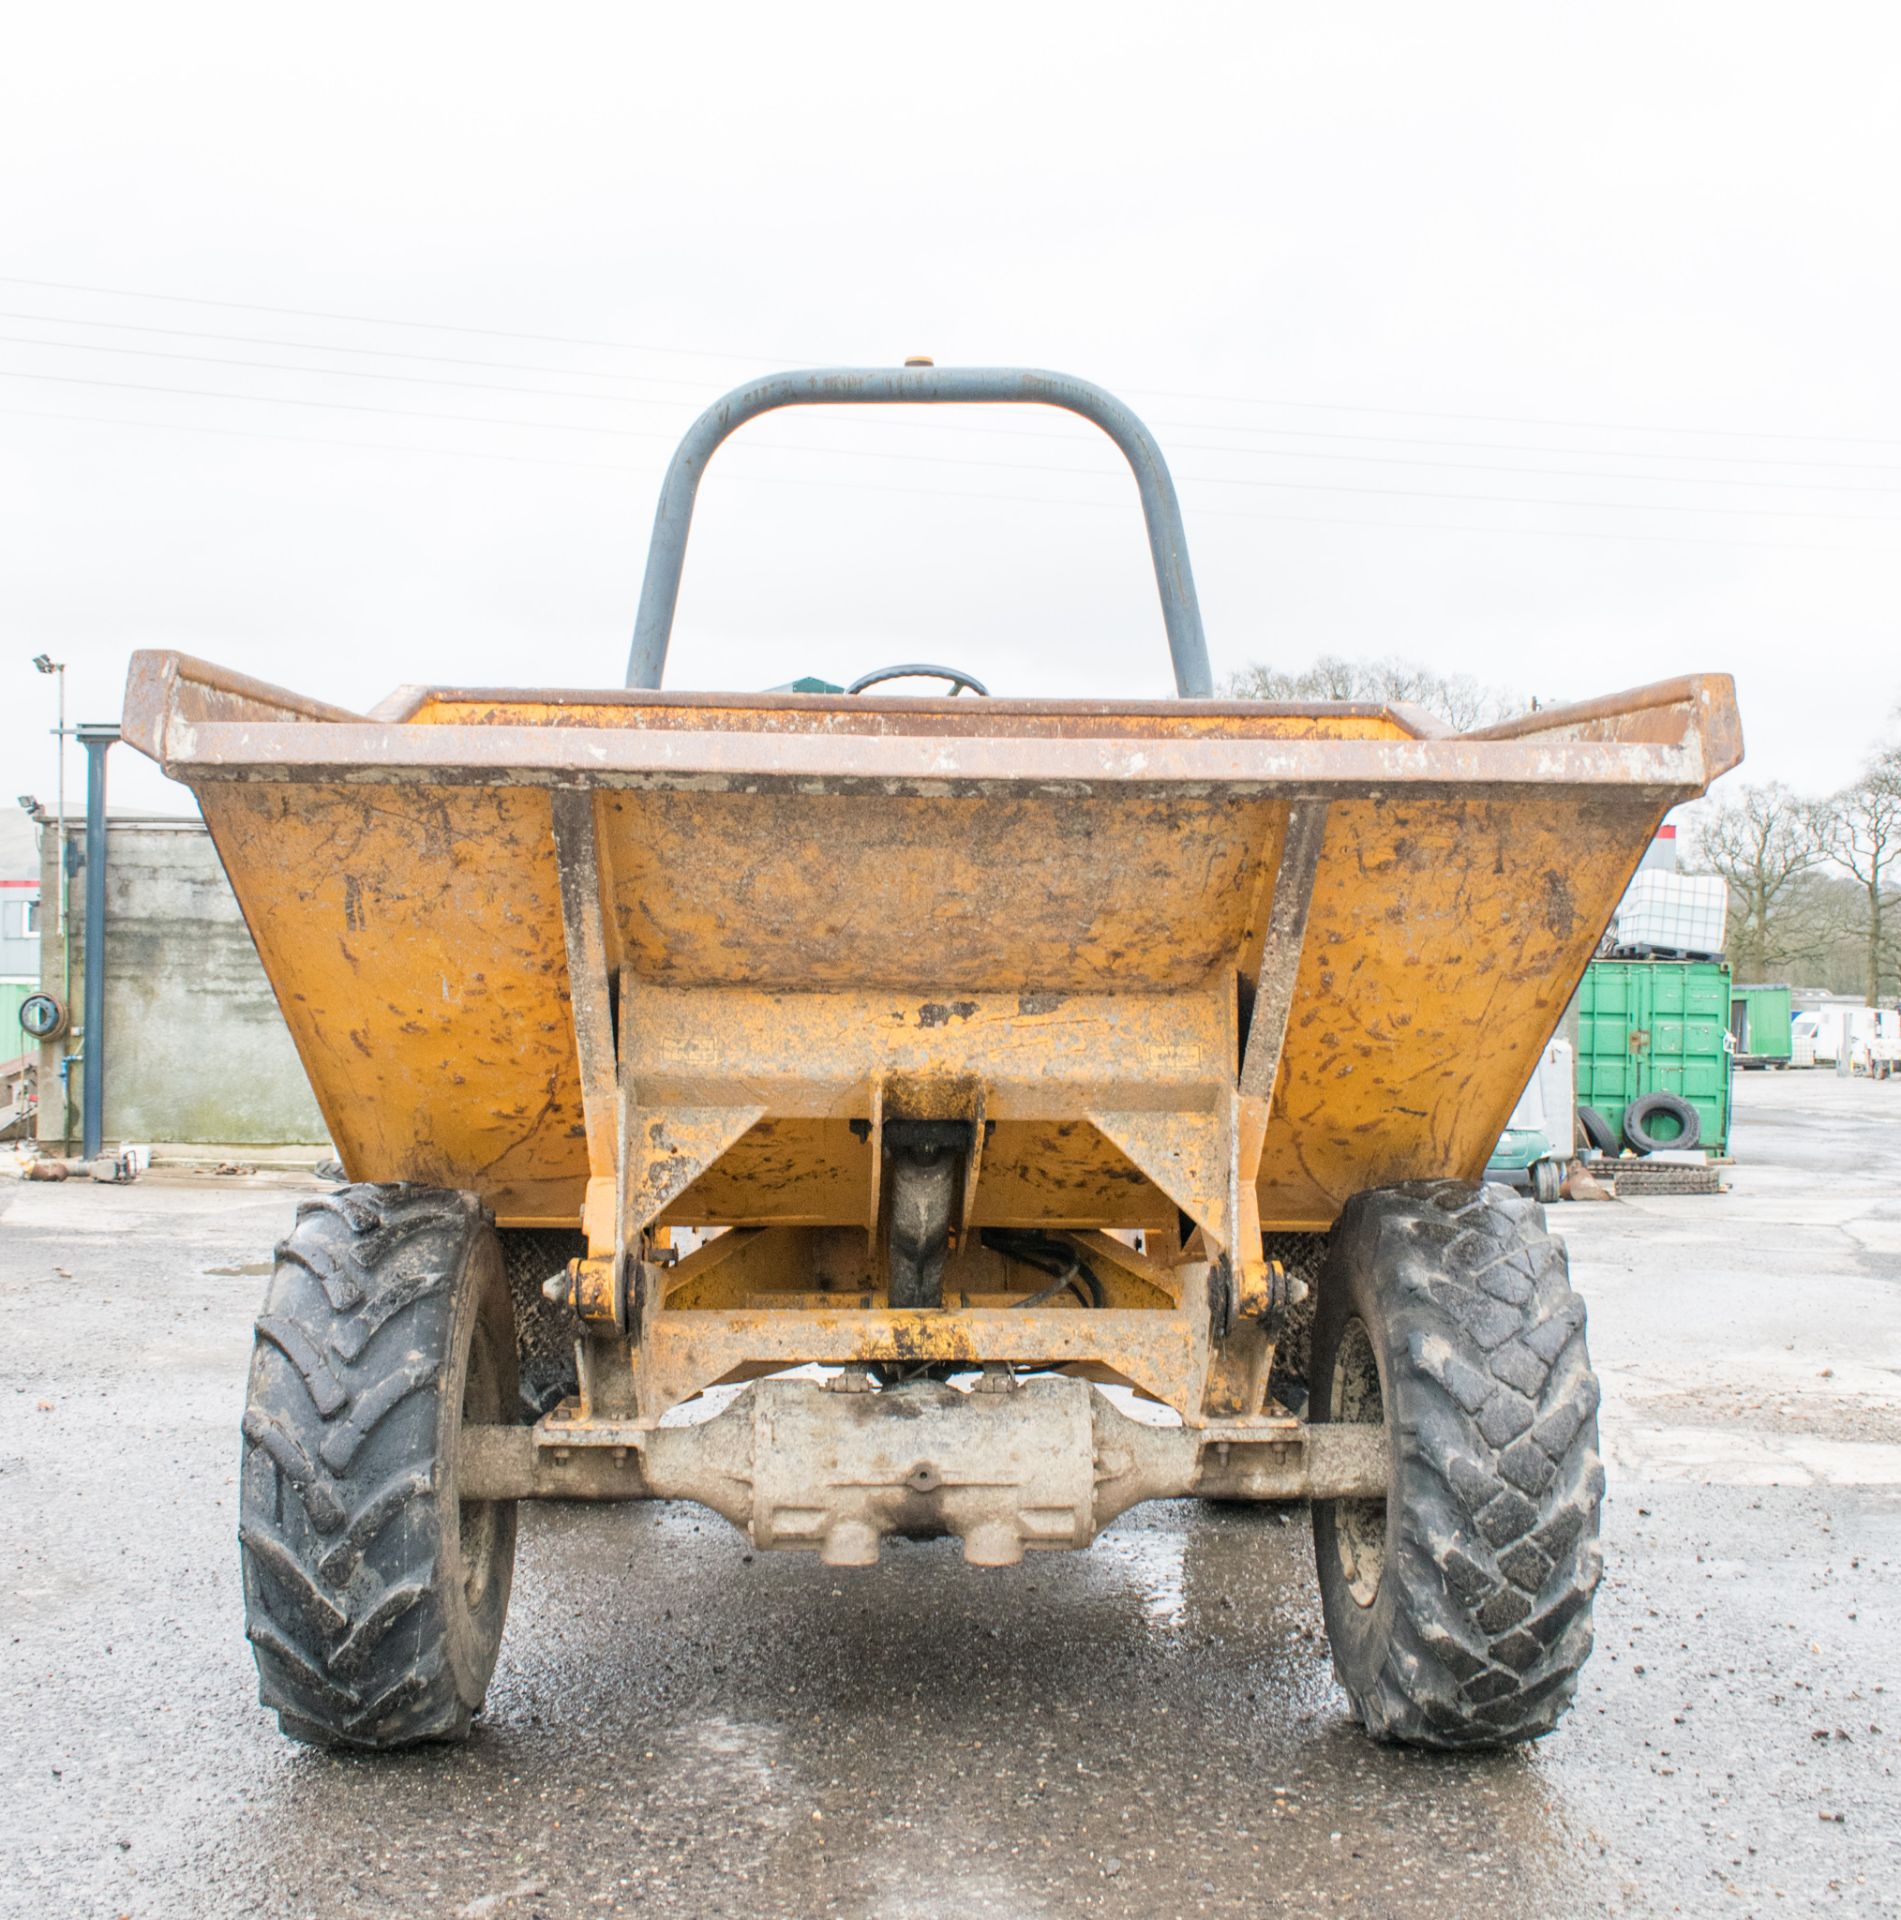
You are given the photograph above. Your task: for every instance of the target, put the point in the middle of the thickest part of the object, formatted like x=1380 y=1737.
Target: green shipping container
x=1760 y=1024
x=1656 y=1026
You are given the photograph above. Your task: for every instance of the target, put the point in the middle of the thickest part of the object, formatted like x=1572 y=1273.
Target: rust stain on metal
x=938 y=1014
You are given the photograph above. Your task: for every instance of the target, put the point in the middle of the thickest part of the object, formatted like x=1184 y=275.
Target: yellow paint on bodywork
x=1447 y=934
x=937 y=896
x=413 y=934
x=805 y=919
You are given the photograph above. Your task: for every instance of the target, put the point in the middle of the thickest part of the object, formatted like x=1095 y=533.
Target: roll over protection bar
x=910 y=386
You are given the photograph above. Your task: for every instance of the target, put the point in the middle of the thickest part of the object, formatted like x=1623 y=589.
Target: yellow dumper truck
x=937 y=1076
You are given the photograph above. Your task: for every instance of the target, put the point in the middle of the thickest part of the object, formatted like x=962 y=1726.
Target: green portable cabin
x=1760 y=1024
x=13 y=995
x=1657 y=1026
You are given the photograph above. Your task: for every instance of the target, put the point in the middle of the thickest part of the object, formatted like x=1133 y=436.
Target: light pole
x=46 y=664
x=92 y=1037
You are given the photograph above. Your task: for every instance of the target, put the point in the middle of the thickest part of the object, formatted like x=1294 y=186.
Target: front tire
x=374 y=1597
x=1459 y=1605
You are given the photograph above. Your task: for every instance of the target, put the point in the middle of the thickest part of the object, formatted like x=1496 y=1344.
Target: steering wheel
x=959 y=680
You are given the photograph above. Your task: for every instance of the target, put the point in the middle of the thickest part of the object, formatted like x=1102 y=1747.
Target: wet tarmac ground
x=679 y=1726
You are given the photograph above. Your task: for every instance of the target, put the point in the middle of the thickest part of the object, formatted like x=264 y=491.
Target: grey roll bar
x=906 y=386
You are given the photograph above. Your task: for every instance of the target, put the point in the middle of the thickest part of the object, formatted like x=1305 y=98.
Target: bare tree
x=1761 y=839
x=1816 y=934
x=1457 y=699
x=1862 y=831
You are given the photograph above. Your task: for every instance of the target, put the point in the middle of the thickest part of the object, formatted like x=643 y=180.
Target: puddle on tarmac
x=1153 y=1562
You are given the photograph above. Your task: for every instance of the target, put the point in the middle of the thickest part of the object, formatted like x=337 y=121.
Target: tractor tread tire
x=1483 y=1615
x=365 y=1631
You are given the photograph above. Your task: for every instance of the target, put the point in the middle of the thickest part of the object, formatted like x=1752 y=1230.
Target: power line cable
x=1196 y=446
x=346 y=373
x=374 y=320
x=343 y=406
x=1166 y=393
x=1554 y=473
x=942 y=493
x=1523 y=419
x=1027 y=466
x=1519 y=446
x=698 y=389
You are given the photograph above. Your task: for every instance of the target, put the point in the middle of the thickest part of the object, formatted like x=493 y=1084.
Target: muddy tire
x=1459 y=1606
x=373 y=1597
x=1547 y=1182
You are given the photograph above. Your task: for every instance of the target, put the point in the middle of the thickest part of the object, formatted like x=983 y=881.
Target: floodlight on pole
x=45 y=663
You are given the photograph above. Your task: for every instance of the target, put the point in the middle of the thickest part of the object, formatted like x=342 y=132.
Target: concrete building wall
x=195 y=1049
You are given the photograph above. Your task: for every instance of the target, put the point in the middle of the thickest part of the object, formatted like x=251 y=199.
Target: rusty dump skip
x=1185 y=957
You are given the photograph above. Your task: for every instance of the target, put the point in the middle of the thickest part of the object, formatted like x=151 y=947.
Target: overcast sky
x=1552 y=345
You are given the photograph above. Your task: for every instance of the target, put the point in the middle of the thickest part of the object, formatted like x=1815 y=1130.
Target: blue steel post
x=97 y=741
x=906 y=386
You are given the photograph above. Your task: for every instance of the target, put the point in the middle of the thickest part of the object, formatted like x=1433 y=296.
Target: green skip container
x=1656 y=1026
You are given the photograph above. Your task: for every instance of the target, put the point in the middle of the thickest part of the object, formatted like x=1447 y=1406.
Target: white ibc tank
x=1675 y=913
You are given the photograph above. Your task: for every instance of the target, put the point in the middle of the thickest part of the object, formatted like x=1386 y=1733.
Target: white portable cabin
x=1821 y=1028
